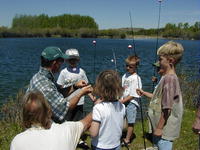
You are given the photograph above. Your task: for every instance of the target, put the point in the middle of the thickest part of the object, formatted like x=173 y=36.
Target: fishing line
x=199 y=142
x=114 y=60
x=140 y=101
x=158 y=28
x=154 y=68
x=94 y=69
x=132 y=32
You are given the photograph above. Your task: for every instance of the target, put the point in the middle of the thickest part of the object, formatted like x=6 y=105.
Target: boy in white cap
x=70 y=75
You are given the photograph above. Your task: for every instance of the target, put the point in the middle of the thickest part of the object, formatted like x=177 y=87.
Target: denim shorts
x=131 y=113
x=162 y=144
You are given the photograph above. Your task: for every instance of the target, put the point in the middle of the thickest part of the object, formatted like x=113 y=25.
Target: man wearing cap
x=43 y=81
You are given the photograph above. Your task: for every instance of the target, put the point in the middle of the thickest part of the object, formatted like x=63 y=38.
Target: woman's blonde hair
x=171 y=49
x=108 y=85
x=36 y=110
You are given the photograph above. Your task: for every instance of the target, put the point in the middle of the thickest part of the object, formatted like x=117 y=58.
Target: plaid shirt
x=43 y=81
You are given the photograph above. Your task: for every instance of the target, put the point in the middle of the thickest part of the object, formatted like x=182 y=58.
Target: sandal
x=124 y=143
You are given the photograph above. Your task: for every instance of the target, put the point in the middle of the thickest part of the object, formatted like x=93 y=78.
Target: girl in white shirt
x=108 y=115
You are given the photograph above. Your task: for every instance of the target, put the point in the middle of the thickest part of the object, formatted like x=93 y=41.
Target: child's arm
x=144 y=93
x=96 y=119
x=92 y=97
x=162 y=121
x=126 y=99
x=94 y=128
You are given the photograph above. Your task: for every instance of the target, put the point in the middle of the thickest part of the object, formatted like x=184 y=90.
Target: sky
x=107 y=13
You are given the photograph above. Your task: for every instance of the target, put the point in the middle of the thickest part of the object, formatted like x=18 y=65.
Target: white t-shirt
x=110 y=115
x=131 y=82
x=70 y=76
x=63 y=136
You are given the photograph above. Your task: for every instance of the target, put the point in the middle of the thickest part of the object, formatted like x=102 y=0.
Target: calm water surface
x=20 y=58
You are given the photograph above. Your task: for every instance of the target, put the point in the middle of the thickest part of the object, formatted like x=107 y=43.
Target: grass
x=7 y=133
x=187 y=140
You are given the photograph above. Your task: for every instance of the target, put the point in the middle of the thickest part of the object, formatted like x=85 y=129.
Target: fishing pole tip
x=94 y=42
x=160 y=1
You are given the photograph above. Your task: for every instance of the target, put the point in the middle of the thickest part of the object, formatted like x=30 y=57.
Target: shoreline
x=107 y=37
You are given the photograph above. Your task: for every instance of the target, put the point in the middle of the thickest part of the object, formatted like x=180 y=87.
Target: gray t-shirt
x=167 y=96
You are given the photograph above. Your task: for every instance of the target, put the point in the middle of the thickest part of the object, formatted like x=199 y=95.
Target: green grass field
x=187 y=140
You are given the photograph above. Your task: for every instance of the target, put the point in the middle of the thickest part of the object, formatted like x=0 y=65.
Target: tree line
x=180 y=30
x=68 y=25
x=63 y=21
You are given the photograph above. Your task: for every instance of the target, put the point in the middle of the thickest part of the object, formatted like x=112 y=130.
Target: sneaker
x=83 y=145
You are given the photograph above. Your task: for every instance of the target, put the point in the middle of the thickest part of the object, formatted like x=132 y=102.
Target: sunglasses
x=130 y=66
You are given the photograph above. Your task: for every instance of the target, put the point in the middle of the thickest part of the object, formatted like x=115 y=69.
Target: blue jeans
x=162 y=144
x=96 y=148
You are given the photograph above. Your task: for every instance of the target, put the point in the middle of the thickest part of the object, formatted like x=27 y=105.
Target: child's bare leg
x=129 y=134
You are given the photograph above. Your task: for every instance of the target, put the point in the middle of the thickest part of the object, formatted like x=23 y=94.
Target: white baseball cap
x=72 y=53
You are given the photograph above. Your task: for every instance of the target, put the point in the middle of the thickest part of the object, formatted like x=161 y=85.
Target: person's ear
x=171 y=60
x=54 y=62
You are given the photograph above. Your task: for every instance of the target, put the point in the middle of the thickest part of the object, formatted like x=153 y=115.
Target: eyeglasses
x=130 y=66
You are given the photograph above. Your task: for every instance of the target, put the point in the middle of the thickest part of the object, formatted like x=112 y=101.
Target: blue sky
x=107 y=13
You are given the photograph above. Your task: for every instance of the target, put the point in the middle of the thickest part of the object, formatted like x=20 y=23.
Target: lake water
x=20 y=58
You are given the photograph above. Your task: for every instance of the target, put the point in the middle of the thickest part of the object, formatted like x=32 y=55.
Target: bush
x=189 y=93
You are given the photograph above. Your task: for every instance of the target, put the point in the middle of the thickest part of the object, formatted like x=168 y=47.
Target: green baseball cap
x=52 y=53
x=156 y=64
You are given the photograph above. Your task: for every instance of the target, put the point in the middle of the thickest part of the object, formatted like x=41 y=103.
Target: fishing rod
x=158 y=28
x=94 y=43
x=132 y=32
x=114 y=59
x=140 y=101
x=199 y=141
x=155 y=60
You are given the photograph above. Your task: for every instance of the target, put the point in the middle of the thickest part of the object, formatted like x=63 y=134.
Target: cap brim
x=64 y=56
x=73 y=57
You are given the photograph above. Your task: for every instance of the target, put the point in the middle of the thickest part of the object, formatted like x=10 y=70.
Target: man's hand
x=158 y=132
x=80 y=83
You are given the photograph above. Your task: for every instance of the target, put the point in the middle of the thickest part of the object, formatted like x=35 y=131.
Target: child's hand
x=140 y=92
x=196 y=131
x=158 y=132
x=92 y=97
x=154 y=79
x=121 y=100
x=97 y=101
